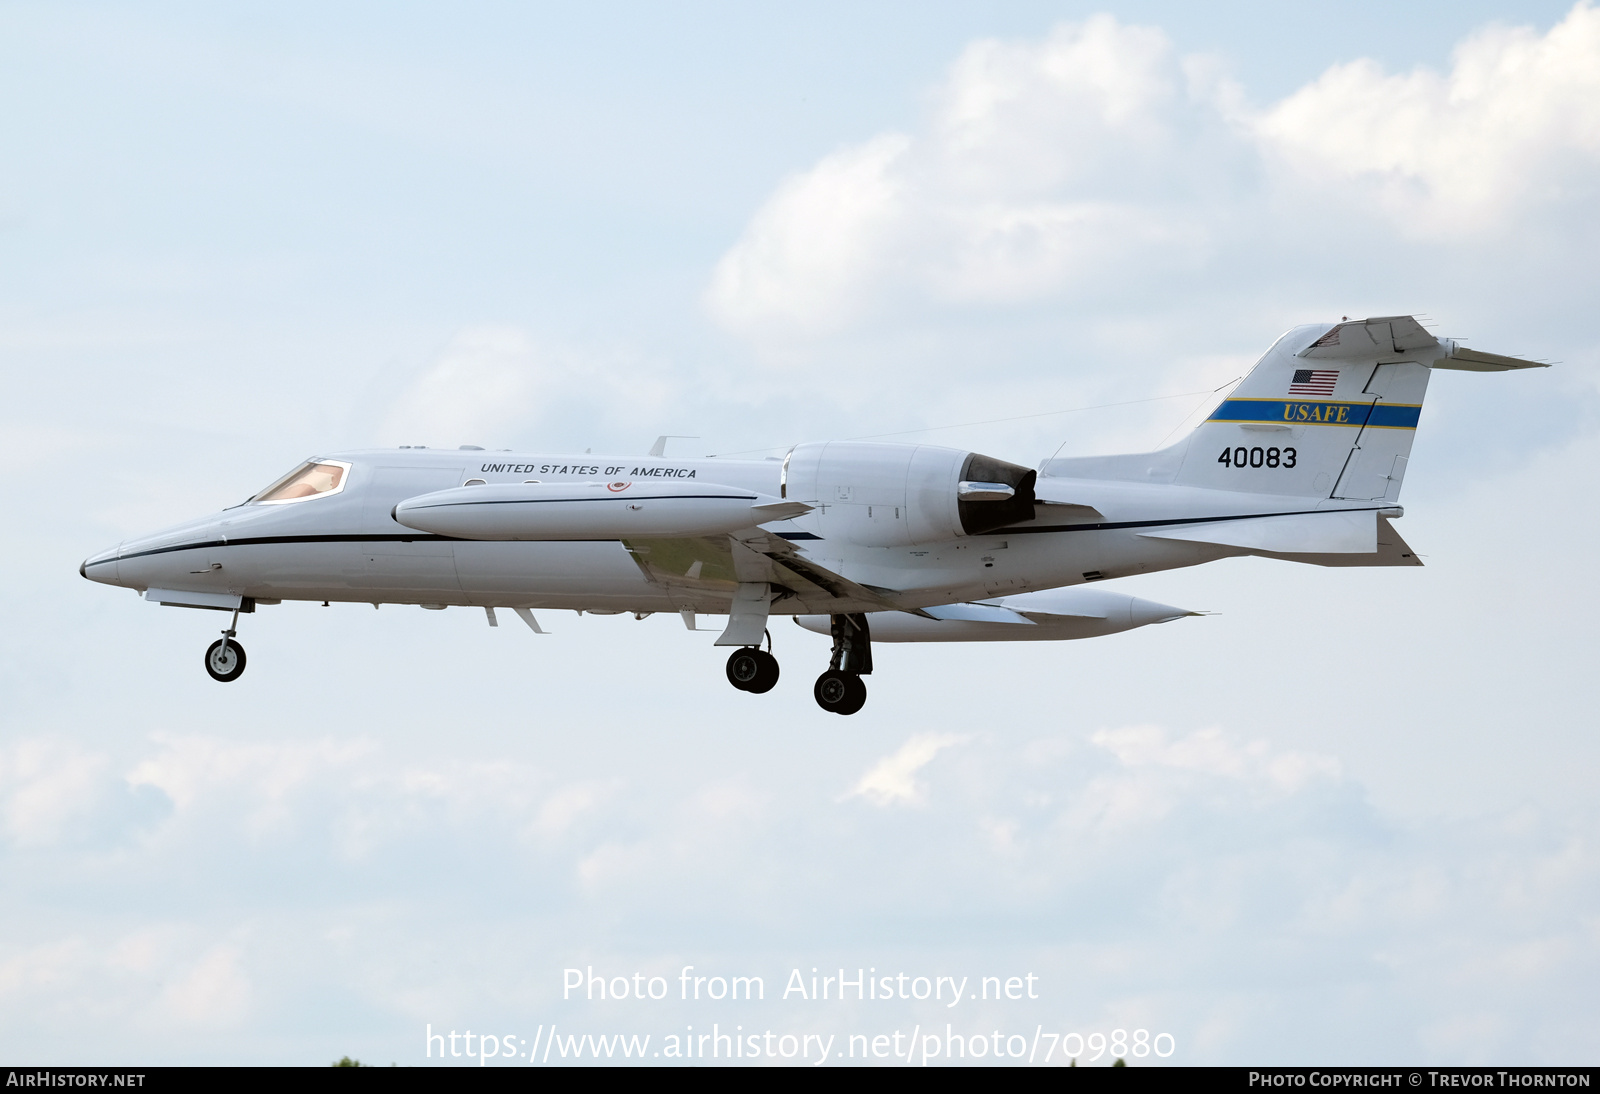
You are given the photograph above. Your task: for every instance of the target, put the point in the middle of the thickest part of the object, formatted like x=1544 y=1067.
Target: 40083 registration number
x=1258 y=457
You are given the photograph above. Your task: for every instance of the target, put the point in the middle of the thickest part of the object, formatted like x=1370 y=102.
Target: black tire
x=858 y=695
x=766 y=676
x=744 y=668
x=752 y=670
x=225 y=668
x=840 y=692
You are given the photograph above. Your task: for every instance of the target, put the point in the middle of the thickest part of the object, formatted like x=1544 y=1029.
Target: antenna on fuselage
x=660 y=447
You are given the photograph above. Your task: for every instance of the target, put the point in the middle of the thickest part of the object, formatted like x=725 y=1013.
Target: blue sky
x=1349 y=818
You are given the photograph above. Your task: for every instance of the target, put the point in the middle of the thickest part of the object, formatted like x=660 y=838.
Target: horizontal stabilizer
x=1463 y=359
x=1392 y=551
x=1385 y=336
x=1346 y=531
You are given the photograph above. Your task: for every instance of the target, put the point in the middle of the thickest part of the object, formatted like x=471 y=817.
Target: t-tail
x=1328 y=413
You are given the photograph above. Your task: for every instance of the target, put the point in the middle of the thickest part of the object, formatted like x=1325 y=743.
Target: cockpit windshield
x=312 y=479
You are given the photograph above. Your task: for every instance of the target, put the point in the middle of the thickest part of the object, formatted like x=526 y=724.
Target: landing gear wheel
x=840 y=692
x=752 y=670
x=225 y=665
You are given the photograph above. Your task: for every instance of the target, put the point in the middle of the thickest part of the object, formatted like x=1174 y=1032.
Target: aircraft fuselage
x=348 y=547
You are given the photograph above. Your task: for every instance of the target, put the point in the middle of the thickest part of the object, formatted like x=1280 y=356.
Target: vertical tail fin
x=1328 y=412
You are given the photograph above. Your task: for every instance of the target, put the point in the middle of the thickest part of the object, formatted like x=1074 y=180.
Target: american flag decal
x=1314 y=381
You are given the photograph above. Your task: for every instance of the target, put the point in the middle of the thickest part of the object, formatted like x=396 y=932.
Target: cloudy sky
x=1349 y=818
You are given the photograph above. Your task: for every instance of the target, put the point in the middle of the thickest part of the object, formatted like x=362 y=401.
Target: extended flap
x=1346 y=531
x=707 y=569
x=977 y=613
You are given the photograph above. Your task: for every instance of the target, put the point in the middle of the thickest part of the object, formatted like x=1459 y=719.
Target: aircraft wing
x=703 y=572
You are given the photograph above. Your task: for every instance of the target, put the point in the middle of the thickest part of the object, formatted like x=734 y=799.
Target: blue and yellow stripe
x=1301 y=412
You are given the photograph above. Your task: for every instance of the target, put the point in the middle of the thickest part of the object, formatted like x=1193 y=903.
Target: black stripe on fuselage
x=1019 y=529
x=414 y=537
x=1117 y=525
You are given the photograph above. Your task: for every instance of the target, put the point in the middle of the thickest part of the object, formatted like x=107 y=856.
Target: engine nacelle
x=895 y=495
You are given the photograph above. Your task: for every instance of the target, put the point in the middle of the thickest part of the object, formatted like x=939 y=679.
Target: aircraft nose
x=102 y=567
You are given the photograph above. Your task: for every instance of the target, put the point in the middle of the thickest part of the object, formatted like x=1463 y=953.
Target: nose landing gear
x=225 y=657
x=841 y=690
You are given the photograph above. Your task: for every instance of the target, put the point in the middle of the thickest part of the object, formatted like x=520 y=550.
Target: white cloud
x=563 y=808
x=45 y=786
x=1157 y=774
x=1211 y=752
x=484 y=381
x=1029 y=179
x=1175 y=862
x=817 y=243
x=46 y=966
x=1098 y=161
x=892 y=780
x=215 y=991
x=498 y=385
x=1514 y=123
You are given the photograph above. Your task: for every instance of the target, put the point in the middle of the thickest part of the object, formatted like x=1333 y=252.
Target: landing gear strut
x=225 y=657
x=753 y=669
x=841 y=690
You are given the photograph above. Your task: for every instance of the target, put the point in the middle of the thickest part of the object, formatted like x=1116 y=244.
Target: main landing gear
x=225 y=657
x=840 y=690
x=753 y=669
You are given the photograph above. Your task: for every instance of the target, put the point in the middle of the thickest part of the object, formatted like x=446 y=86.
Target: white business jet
x=863 y=542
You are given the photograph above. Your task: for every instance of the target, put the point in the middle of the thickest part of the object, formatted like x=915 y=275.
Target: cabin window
x=312 y=479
